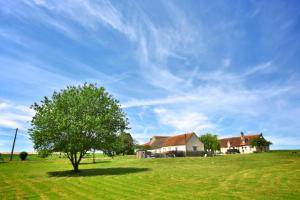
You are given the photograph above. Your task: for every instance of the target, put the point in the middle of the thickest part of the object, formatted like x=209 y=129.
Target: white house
x=241 y=143
x=186 y=143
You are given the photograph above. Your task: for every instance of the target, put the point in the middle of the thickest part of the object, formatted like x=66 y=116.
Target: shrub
x=1 y=158
x=43 y=153
x=23 y=155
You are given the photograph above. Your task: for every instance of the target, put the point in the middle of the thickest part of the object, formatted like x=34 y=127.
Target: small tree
x=260 y=143
x=76 y=120
x=43 y=153
x=125 y=144
x=210 y=142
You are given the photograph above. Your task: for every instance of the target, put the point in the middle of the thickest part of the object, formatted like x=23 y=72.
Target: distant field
x=273 y=175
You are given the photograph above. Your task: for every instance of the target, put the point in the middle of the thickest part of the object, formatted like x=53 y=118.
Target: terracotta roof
x=157 y=142
x=164 y=141
x=238 y=141
x=178 y=140
x=146 y=144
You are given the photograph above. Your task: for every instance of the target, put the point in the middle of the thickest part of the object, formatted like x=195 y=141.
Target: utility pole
x=12 y=150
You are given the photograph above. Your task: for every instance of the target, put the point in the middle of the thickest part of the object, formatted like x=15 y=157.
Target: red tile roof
x=157 y=141
x=238 y=141
x=178 y=140
x=146 y=144
x=164 y=141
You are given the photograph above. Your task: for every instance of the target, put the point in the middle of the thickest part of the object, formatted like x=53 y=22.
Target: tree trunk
x=75 y=167
x=75 y=160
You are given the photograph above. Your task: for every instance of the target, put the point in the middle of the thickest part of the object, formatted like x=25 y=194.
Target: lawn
x=273 y=175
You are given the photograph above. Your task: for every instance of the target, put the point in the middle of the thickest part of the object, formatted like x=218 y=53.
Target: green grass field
x=273 y=175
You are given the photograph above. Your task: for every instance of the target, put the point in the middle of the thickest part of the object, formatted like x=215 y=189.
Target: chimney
x=242 y=134
x=228 y=144
x=242 y=137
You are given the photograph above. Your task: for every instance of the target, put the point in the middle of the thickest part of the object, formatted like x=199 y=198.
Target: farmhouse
x=187 y=144
x=241 y=143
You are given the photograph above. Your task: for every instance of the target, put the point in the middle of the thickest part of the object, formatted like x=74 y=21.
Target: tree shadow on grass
x=99 y=161
x=97 y=172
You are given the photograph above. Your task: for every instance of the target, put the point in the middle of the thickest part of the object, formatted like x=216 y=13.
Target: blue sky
x=176 y=66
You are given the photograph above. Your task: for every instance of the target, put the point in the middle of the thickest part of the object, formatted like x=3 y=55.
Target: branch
x=81 y=155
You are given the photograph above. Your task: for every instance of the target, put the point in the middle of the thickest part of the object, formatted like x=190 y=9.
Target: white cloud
x=162 y=101
x=10 y=122
x=260 y=68
x=14 y=116
x=92 y=15
x=219 y=99
x=155 y=45
x=185 y=121
x=279 y=140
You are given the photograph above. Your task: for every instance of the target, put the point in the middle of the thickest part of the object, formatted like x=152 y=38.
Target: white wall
x=194 y=141
x=223 y=150
x=244 y=149
x=247 y=149
x=170 y=148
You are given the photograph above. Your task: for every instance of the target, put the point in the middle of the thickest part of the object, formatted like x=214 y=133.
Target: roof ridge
x=257 y=134
x=183 y=134
x=174 y=135
x=160 y=136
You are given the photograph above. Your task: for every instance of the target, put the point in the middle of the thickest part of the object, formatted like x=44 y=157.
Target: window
x=176 y=148
x=194 y=148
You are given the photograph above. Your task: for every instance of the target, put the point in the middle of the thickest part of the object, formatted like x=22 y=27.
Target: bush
x=23 y=155
x=43 y=153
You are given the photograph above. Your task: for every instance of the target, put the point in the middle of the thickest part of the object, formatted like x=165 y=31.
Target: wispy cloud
x=184 y=120
x=168 y=100
x=14 y=115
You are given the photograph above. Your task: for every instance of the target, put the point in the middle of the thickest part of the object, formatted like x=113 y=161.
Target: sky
x=176 y=66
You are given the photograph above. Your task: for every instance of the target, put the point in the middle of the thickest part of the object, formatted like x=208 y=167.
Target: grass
x=273 y=175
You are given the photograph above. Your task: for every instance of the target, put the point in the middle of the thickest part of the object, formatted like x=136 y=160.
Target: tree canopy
x=125 y=144
x=260 y=142
x=210 y=142
x=76 y=120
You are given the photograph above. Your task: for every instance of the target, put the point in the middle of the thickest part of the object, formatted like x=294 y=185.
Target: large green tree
x=76 y=120
x=210 y=142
